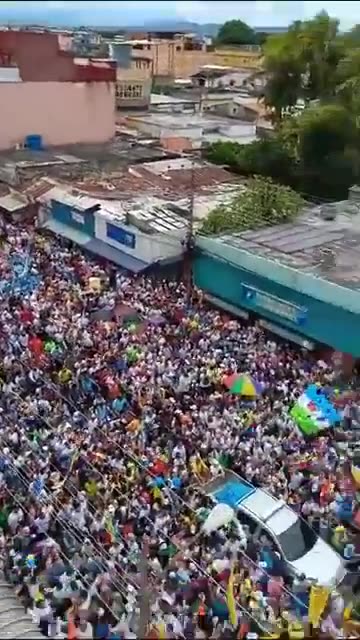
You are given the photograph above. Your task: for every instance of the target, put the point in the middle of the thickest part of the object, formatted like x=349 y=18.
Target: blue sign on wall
x=322 y=320
x=120 y=235
x=262 y=301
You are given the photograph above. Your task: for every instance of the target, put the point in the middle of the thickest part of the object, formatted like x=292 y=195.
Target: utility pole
x=189 y=244
x=144 y=591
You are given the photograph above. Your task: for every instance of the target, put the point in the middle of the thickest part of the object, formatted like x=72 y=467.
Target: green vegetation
x=268 y=157
x=262 y=203
x=316 y=152
x=236 y=32
x=302 y=63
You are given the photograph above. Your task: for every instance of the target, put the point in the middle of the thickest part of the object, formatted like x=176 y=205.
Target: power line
x=138 y=462
x=149 y=472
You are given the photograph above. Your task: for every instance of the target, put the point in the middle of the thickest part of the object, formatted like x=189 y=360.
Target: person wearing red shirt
x=36 y=345
x=26 y=316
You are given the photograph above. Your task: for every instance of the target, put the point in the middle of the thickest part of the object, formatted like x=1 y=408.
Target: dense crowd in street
x=113 y=417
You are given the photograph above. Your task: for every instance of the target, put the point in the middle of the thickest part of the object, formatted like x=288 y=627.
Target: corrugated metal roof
x=124 y=260
x=327 y=249
x=38 y=188
x=82 y=203
x=13 y=202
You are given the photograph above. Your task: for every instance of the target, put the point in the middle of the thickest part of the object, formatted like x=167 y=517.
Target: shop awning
x=78 y=237
x=124 y=260
x=97 y=247
x=226 y=306
x=287 y=334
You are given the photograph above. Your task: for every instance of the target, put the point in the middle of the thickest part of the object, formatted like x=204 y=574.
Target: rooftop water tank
x=34 y=142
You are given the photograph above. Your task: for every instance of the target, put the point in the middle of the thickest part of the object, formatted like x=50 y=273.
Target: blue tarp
x=233 y=492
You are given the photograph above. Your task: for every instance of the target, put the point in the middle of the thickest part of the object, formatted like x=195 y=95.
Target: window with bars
x=129 y=91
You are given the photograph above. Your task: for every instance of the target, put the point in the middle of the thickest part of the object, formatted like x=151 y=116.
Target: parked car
x=303 y=551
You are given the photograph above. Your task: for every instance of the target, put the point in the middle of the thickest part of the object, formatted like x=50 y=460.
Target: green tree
x=261 y=37
x=317 y=152
x=284 y=68
x=303 y=62
x=268 y=157
x=236 y=32
x=320 y=142
x=261 y=203
x=317 y=132
x=351 y=39
x=224 y=153
x=348 y=82
x=321 y=48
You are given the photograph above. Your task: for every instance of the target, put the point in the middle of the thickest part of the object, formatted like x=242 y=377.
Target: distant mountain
x=180 y=26
x=183 y=26
x=208 y=29
x=72 y=17
x=270 y=29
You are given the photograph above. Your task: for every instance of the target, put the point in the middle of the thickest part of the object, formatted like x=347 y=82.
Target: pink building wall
x=61 y=112
x=43 y=57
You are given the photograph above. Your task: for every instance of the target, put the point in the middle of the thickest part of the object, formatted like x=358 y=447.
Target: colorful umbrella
x=243 y=386
x=229 y=381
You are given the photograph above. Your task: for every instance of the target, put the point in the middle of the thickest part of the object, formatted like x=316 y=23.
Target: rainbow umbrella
x=229 y=381
x=243 y=386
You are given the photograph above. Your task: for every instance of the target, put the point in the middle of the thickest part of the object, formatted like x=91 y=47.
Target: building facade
x=84 y=221
x=181 y=55
x=48 y=56
x=47 y=91
x=191 y=131
x=61 y=113
x=304 y=312
x=133 y=77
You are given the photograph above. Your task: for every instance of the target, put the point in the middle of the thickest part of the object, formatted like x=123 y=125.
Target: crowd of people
x=113 y=417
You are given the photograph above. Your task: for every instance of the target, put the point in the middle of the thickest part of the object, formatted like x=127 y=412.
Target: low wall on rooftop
x=61 y=112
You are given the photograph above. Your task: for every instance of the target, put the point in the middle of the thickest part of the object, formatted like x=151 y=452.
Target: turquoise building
x=299 y=304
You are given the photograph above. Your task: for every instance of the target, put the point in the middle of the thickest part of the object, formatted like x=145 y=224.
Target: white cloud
x=266 y=13
x=254 y=12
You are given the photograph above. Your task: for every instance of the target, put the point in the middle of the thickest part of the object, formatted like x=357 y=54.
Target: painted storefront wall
x=149 y=248
x=127 y=238
x=295 y=311
x=294 y=279
x=79 y=220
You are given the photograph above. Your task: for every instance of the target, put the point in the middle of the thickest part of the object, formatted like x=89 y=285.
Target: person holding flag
x=230 y=599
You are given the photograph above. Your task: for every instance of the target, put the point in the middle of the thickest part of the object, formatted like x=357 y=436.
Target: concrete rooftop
x=329 y=249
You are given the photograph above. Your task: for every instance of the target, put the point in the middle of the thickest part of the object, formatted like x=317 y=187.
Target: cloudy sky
x=256 y=13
